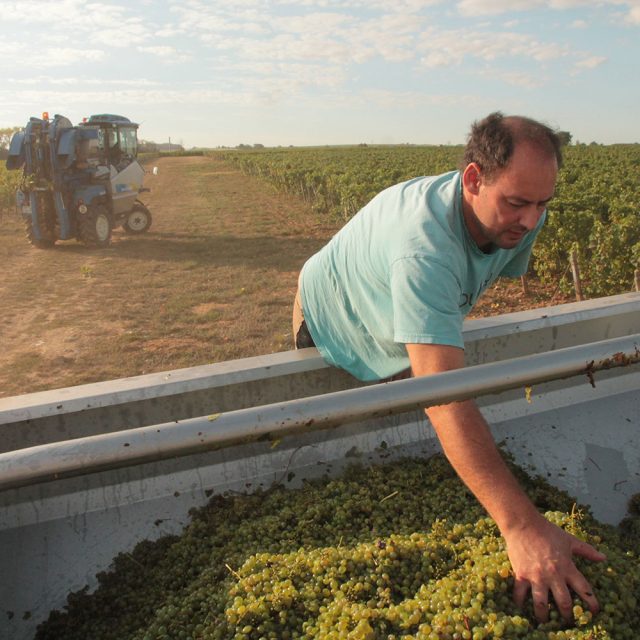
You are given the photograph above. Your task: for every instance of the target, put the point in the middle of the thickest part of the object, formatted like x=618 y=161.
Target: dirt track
x=212 y=280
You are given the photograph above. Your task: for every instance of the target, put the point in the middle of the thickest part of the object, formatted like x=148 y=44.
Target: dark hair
x=493 y=139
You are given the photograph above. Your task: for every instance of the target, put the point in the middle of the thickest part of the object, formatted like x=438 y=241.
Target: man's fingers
x=540 y=603
x=583 y=590
x=520 y=591
x=563 y=600
x=585 y=550
x=578 y=582
x=552 y=576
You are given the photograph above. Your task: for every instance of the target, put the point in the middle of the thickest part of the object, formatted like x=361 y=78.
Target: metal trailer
x=87 y=472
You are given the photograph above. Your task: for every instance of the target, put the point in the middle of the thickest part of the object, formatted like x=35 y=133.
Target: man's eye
x=516 y=205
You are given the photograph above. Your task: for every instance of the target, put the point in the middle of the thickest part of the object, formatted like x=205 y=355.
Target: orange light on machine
x=45 y=115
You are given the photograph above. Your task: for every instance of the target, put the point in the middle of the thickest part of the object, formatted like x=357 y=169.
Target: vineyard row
x=594 y=215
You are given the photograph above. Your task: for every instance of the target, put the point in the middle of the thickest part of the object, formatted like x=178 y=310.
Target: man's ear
x=471 y=178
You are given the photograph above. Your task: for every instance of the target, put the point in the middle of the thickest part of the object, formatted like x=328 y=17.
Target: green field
x=9 y=181
x=594 y=212
x=593 y=215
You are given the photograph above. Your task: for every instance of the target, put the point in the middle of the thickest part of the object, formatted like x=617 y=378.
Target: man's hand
x=541 y=556
x=541 y=553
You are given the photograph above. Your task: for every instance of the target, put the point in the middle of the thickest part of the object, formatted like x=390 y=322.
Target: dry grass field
x=212 y=280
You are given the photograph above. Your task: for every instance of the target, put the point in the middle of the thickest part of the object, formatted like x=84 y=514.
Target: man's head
x=493 y=139
x=511 y=166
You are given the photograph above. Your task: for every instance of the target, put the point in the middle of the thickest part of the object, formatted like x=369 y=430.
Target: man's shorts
x=301 y=336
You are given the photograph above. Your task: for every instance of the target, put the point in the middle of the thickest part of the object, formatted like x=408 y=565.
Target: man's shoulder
x=421 y=183
x=420 y=192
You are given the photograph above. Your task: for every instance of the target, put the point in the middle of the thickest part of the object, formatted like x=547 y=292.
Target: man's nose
x=530 y=216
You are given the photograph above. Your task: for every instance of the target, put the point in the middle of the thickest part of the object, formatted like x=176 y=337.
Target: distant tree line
x=147 y=146
x=5 y=139
x=144 y=146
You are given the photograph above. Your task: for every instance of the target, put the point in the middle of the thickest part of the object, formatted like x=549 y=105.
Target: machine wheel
x=138 y=220
x=46 y=223
x=94 y=227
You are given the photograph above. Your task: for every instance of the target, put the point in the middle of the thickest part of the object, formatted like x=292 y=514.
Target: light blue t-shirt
x=403 y=270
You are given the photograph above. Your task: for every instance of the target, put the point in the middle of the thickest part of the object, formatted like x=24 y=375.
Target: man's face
x=503 y=210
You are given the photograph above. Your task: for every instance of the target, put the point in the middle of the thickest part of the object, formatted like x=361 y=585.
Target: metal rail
x=270 y=422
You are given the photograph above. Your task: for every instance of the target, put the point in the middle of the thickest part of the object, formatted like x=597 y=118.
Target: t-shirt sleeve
x=425 y=297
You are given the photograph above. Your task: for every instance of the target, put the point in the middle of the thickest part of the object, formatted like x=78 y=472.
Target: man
x=391 y=290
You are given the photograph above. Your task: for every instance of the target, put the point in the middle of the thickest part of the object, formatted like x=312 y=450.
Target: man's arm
x=541 y=553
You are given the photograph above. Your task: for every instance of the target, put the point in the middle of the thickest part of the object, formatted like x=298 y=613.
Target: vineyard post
x=637 y=279
x=575 y=270
x=525 y=285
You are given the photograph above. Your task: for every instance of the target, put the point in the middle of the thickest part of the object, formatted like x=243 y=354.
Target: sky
x=324 y=72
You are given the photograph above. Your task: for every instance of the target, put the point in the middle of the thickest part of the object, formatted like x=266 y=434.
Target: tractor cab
x=115 y=151
x=117 y=139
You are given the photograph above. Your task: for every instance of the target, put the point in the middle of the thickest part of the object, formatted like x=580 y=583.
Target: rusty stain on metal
x=589 y=371
x=619 y=359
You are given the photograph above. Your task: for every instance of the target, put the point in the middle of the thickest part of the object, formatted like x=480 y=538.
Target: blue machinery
x=70 y=170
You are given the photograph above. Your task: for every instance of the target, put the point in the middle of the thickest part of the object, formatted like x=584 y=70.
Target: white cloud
x=323 y=54
x=166 y=53
x=590 y=62
x=275 y=84
x=414 y=99
x=168 y=31
x=109 y=24
x=516 y=78
x=450 y=48
x=128 y=97
x=48 y=57
x=545 y=52
x=633 y=17
x=324 y=22
x=124 y=34
x=43 y=81
x=435 y=59
x=311 y=75
x=39 y=11
x=473 y=8
x=399 y=6
x=288 y=48
x=336 y=36
x=394 y=37
x=198 y=18
x=569 y=4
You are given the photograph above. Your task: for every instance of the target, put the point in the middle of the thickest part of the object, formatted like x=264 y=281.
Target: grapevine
x=9 y=182
x=594 y=211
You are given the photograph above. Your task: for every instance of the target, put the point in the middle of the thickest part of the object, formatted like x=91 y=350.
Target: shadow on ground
x=282 y=253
